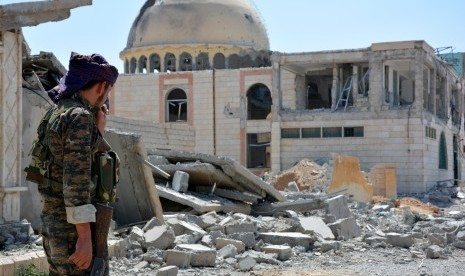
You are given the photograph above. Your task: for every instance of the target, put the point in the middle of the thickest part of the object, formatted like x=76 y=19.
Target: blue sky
x=292 y=25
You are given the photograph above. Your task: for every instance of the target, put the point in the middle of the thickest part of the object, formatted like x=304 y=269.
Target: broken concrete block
x=461 y=236
x=337 y=206
x=437 y=239
x=315 y=225
x=222 y=242
x=200 y=255
x=300 y=205
x=136 y=234
x=180 y=181
x=459 y=244
x=185 y=239
x=400 y=240
x=207 y=220
x=192 y=229
x=228 y=251
x=248 y=238
x=167 y=271
x=178 y=258
x=434 y=252
x=284 y=252
x=246 y=264
x=346 y=228
x=326 y=246
x=118 y=248
x=151 y=223
x=291 y=238
x=161 y=237
x=240 y=227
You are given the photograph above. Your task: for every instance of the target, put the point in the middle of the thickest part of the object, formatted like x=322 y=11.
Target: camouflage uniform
x=73 y=138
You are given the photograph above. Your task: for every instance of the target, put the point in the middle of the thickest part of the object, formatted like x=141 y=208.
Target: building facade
x=393 y=102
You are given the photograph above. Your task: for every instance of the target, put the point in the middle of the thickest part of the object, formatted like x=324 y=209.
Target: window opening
x=314 y=132
x=202 y=62
x=154 y=63
x=185 y=62
x=353 y=132
x=234 y=62
x=142 y=64
x=176 y=106
x=442 y=152
x=219 y=61
x=170 y=62
x=133 y=66
x=258 y=150
x=329 y=132
x=258 y=102
x=290 y=133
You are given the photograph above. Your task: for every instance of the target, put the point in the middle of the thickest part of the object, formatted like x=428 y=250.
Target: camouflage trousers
x=59 y=239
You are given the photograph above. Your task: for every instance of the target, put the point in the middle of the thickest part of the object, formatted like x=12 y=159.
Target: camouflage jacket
x=73 y=138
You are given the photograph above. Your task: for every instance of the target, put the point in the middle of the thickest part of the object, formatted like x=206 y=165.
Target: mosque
x=206 y=67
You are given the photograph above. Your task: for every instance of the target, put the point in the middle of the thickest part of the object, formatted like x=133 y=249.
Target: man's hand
x=82 y=257
x=101 y=118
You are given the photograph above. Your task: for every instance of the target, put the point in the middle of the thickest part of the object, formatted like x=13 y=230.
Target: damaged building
x=227 y=94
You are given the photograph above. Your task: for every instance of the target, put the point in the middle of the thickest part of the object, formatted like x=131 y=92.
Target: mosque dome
x=193 y=22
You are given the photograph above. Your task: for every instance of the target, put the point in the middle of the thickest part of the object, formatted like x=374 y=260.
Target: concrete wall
x=155 y=136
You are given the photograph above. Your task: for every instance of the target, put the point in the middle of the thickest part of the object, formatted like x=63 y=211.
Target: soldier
x=73 y=133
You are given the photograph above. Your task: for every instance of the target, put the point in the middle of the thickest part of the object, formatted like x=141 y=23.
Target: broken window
x=363 y=80
x=219 y=61
x=442 y=152
x=258 y=102
x=170 y=62
x=133 y=66
x=318 y=87
x=399 y=82
x=258 y=150
x=185 y=62
x=142 y=64
x=202 y=62
x=154 y=63
x=441 y=105
x=234 y=62
x=176 y=106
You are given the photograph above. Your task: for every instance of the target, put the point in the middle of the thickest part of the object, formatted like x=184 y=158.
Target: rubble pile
x=307 y=174
x=15 y=235
x=240 y=242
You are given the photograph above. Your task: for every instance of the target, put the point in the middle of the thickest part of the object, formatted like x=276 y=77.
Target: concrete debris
x=307 y=176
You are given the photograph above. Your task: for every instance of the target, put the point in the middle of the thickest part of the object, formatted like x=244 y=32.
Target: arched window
x=234 y=62
x=246 y=62
x=258 y=102
x=170 y=62
x=126 y=66
x=154 y=63
x=142 y=64
x=132 y=66
x=219 y=61
x=442 y=152
x=202 y=62
x=185 y=62
x=176 y=106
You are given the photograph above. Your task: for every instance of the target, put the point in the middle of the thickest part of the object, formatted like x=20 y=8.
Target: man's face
x=104 y=96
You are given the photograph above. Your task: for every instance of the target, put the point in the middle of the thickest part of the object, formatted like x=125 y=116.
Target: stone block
x=222 y=242
x=7 y=266
x=177 y=258
x=180 y=181
x=284 y=252
x=151 y=223
x=246 y=263
x=400 y=240
x=337 y=206
x=200 y=255
x=434 y=252
x=137 y=235
x=228 y=251
x=315 y=225
x=326 y=246
x=346 y=228
x=291 y=238
x=160 y=237
x=240 y=227
x=167 y=271
x=118 y=248
x=248 y=238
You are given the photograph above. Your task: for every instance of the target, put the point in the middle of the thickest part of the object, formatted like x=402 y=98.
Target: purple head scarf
x=82 y=70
